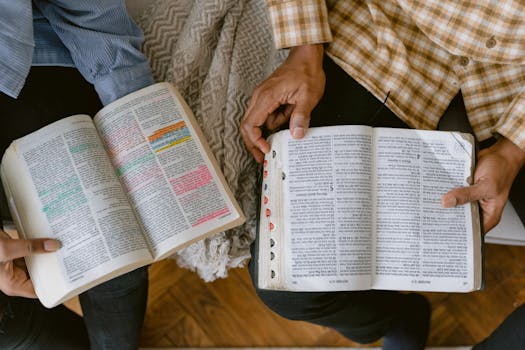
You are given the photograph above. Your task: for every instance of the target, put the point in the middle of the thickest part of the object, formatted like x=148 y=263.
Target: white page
x=509 y=230
x=176 y=193
x=76 y=198
x=328 y=209
x=419 y=244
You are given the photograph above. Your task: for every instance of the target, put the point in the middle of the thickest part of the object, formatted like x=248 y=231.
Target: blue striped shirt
x=96 y=36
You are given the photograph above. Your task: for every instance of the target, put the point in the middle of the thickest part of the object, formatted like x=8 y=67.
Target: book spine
x=271 y=236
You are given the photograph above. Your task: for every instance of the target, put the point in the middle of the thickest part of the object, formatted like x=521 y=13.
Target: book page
x=171 y=178
x=509 y=230
x=419 y=244
x=62 y=185
x=328 y=209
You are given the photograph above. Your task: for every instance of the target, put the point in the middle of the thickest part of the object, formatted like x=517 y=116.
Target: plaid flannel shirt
x=422 y=52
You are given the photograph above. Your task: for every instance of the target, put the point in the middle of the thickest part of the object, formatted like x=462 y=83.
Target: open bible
x=357 y=208
x=131 y=186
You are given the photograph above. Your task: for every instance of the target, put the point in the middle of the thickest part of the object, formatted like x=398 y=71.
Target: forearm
x=311 y=53
x=513 y=154
x=104 y=43
x=496 y=170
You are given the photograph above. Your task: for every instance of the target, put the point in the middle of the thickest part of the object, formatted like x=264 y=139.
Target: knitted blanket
x=215 y=52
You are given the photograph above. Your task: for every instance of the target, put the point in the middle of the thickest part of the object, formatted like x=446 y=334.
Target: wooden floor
x=185 y=311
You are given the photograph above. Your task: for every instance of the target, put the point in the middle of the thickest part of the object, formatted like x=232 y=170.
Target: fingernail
x=449 y=202
x=51 y=245
x=298 y=132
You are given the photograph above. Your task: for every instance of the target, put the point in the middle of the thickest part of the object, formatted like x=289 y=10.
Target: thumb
x=462 y=195
x=17 y=248
x=300 y=119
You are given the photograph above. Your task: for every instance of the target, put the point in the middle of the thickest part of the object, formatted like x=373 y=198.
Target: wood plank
x=220 y=323
x=168 y=323
x=237 y=293
x=162 y=275
x=185 y=311
x=447 y=330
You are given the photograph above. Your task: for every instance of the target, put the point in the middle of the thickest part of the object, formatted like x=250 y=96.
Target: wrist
x=312 y=55
x=511 y=152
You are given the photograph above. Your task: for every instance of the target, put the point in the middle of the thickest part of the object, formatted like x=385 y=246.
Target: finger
x=260 y=107
x=20 y=263
x=462 y=195
x=489 y=221
x=300 y=118
x=22 y=285
x=27 y=290
x=17 y=248
x=280 y=117
x=15 y=282
x=252 y=148
x=491 y=214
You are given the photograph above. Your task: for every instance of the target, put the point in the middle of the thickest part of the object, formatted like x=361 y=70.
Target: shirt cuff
x=298 y=22
x=512 y=124
x=121 y=82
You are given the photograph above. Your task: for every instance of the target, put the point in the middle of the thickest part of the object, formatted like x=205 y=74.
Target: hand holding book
x=14 y=279
x=496 y=169
x=131 y=186
x=290 y=93
x=356 y=208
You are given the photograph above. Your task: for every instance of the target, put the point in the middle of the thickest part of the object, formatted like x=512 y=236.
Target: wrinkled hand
x=14 y=280
x=290 y=93
x=495 y=172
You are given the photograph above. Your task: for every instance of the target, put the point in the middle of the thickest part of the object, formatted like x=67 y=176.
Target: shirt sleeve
x=16 y=45
x=512 y=123
x=104 y=43
x=298 y=22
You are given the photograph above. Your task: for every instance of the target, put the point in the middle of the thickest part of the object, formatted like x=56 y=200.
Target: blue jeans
x=113 y=311
x=113 y=317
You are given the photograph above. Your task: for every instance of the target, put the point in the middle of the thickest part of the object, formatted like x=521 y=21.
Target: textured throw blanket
x=215 y=52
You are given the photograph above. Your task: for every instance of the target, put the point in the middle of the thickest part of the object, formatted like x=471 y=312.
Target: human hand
x=14 y=280
x=290 y=93
x=495 y=172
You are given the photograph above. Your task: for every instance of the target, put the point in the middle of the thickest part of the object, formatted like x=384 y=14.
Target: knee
x=332 y=310
x=274 y=302
x=296 y=305
x=136 y=280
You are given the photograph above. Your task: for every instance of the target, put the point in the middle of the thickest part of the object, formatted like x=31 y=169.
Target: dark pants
x=363 y=316
x=509 y=335
x=113 y=311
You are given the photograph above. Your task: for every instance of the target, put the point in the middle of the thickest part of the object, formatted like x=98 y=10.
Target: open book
x=131 y=186
x=357 y=208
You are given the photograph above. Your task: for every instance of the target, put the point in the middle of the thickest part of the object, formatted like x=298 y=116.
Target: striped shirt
x=422 y=53
x=96 y=36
